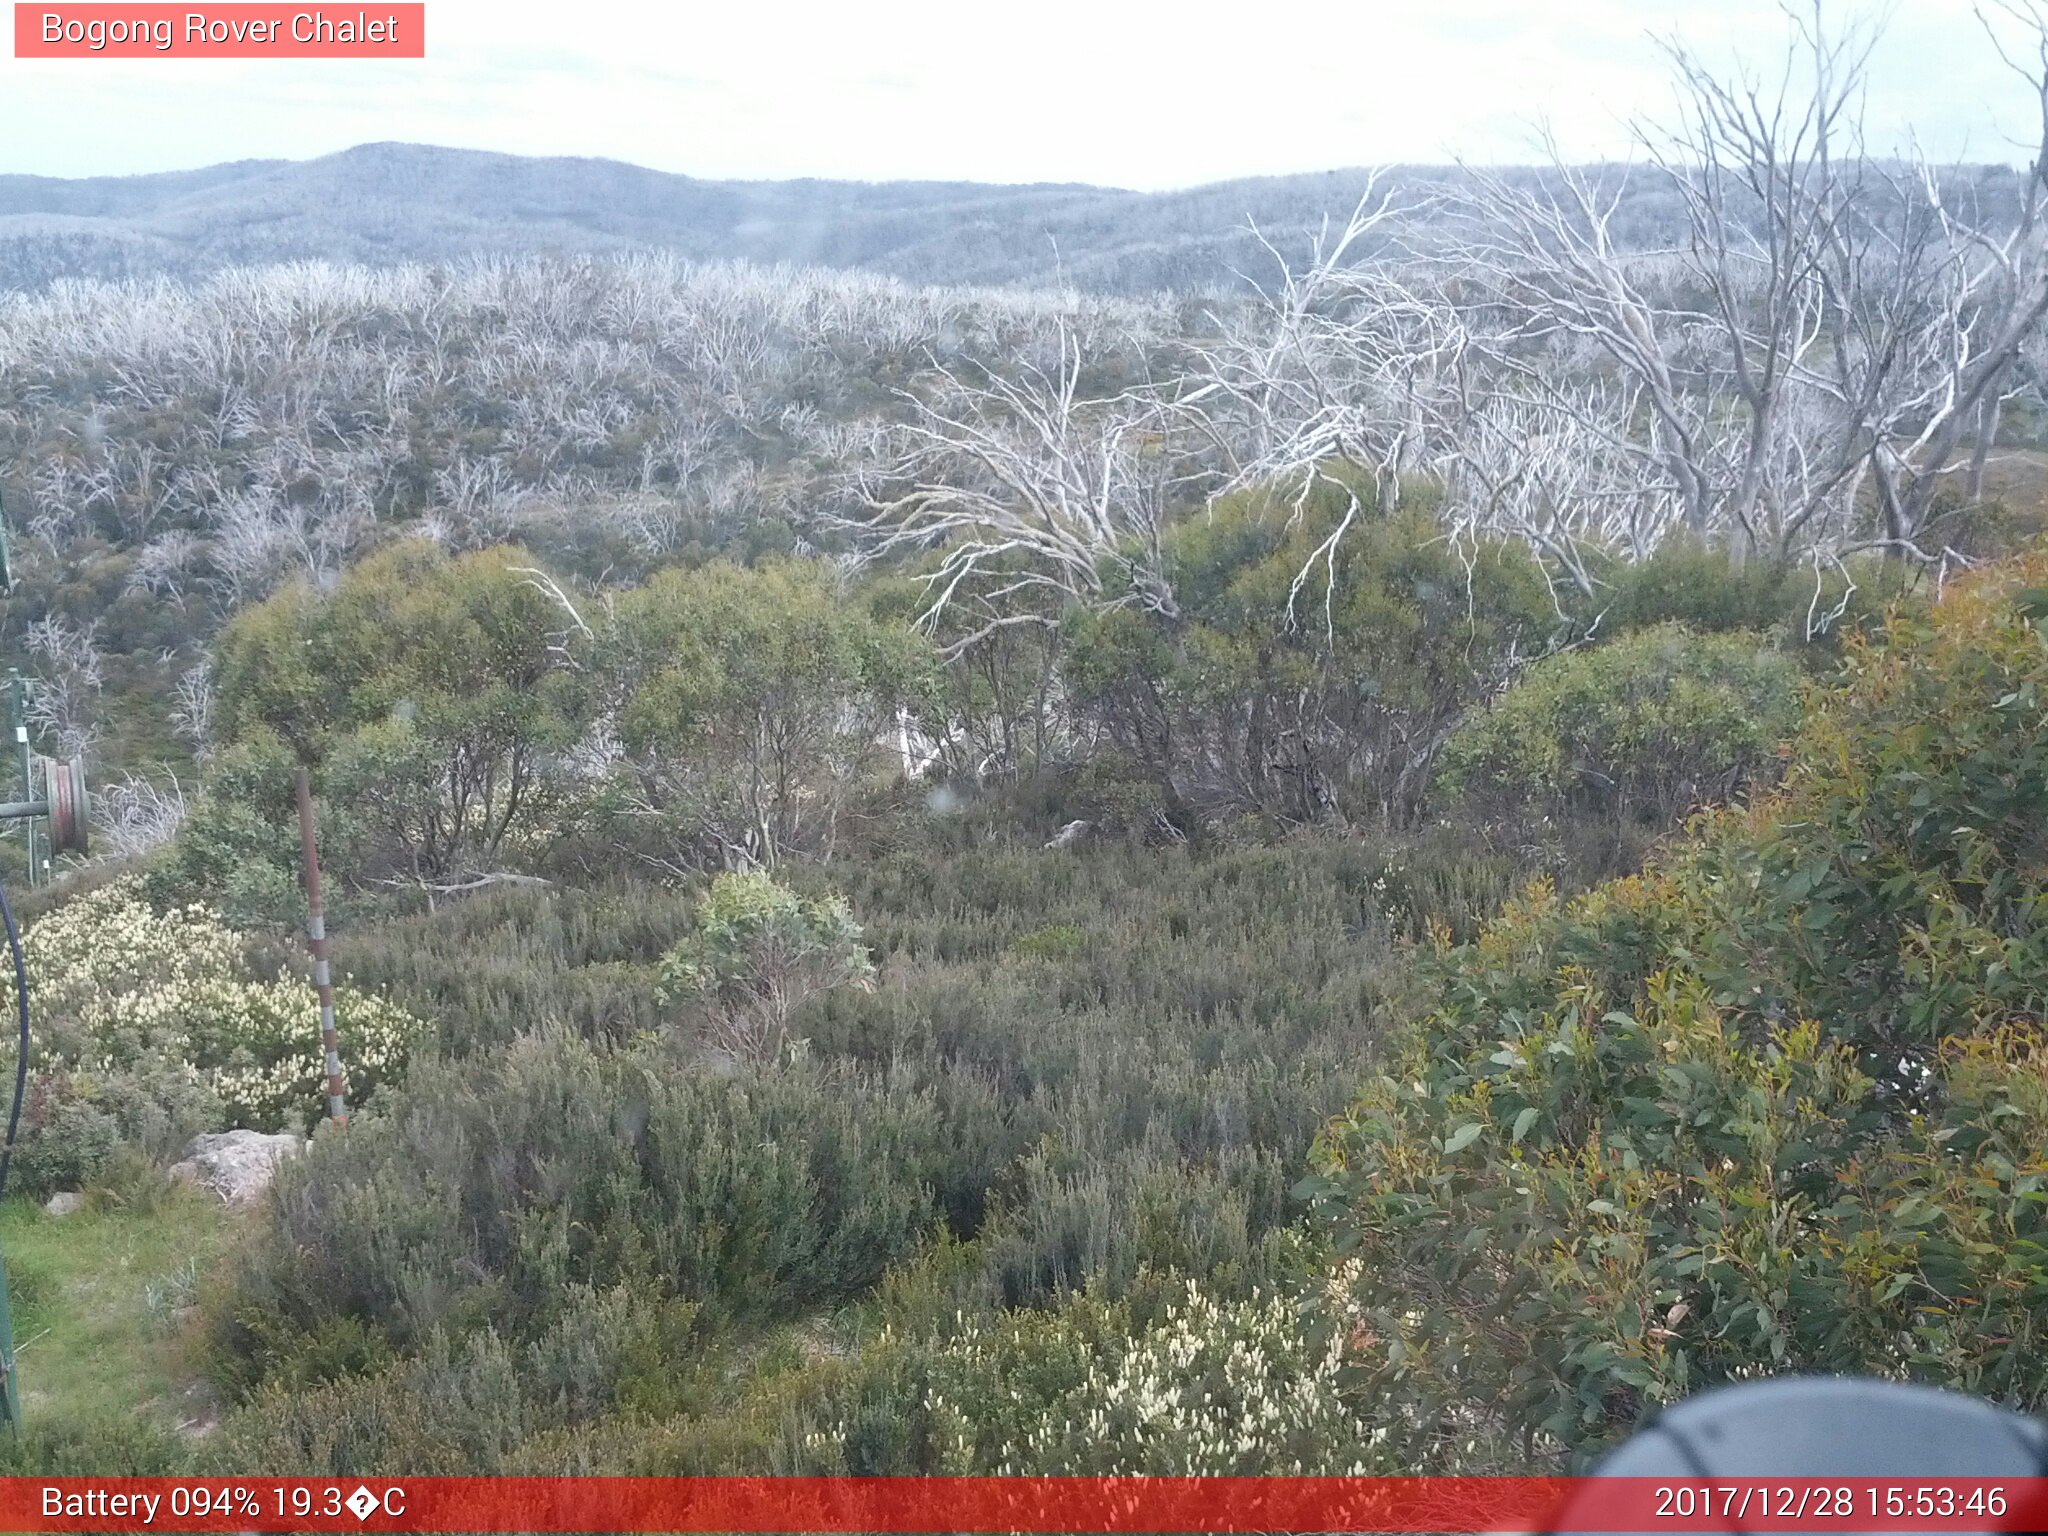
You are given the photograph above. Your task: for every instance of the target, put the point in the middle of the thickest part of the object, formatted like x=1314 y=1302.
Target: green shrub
x=1296 y=686
x=1701 y=587
x=759 y=952
x=489 y=1189
x=1067 y=1222
x=157 y=1011
x=1649 y=725
x=752 y=705
x=1055 y=941
x=133 y=1445
x=489 y=967
x=426 y=688
x=65 y=1140
x=1777 y=1104
x=238 y=849
x=1449 y=880
x=1210 y=1388
x=469 y=1406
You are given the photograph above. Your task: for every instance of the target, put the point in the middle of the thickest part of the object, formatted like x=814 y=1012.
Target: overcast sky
x=1120 y=92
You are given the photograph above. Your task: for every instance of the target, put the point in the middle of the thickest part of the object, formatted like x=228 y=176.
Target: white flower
x=118 y=981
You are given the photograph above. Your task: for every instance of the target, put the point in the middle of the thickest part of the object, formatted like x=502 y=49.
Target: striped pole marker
x=316 y=941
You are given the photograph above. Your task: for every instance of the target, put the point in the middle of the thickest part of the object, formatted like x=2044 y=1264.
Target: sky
x=1127 y=93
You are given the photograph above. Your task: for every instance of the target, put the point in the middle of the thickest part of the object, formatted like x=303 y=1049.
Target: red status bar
x=1023 y=1504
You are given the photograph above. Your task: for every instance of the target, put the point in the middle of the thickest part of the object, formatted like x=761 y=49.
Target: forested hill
x=381 y=203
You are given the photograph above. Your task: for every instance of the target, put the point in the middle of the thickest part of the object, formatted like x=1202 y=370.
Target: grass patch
x=100 y=1303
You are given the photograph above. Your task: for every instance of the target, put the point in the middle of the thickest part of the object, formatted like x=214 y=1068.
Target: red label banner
x=226 y=31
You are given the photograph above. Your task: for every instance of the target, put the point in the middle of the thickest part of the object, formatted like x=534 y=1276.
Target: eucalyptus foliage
x=1775 y=1104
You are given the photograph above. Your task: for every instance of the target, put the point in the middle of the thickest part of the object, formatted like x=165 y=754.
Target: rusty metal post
x=316 y=941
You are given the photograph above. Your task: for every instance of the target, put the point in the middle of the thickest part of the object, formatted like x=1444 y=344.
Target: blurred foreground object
x=1829 y=1426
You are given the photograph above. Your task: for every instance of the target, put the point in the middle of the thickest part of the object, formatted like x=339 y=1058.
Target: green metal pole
x=17 y=712
x=17 y=693
x=11 y=1405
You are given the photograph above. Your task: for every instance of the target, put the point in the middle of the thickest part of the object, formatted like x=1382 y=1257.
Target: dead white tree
x=1028 y=493
x=166 y=563
x=1815 y=357
x=1968 y=348
x=192 y=713
x=1345 y=359
x=69 y=675
x=1554 y=479
x=258 y=538
x=137 y=814
x=1335 y=359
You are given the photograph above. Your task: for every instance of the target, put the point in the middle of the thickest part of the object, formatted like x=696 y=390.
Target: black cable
x=21 y=1010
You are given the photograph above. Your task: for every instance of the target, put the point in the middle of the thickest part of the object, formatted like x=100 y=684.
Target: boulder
x=236 y=1165
x=64 y=1204
x=1073 y=832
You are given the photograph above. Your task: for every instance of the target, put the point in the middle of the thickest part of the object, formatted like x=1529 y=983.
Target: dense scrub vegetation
x=977 y=881
x=1013 y=1180
x=1653 y=724
x=741 y=1084
x=929 y=1148
x=1069 y=1073
x=153 y=1026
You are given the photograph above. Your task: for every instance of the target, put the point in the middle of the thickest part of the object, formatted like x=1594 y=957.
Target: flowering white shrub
x=1214 y=1388
x=114 y=984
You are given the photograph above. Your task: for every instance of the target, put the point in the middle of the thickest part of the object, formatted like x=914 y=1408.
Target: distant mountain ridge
x=387 y=202
x=383 y=203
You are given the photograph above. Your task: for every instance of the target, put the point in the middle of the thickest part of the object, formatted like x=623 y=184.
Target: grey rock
x=64 y=1204
x=236 y=1165
x=1072 y=833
